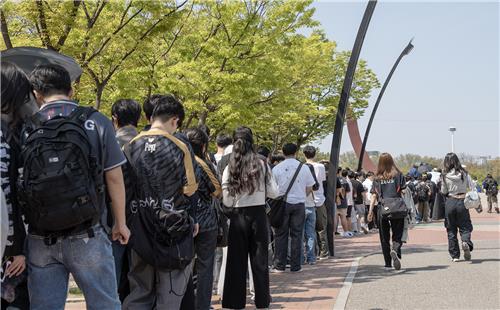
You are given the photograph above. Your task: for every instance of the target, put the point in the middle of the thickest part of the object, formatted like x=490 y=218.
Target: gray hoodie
x=454 y=185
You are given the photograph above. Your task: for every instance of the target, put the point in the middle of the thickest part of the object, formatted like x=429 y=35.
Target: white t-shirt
x=350 y=199
x=368 y=186
x=317 y=199
x=284 y=171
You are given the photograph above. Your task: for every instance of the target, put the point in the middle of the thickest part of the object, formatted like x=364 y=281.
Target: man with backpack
x=423 y=193
x=490 y=186
x=70 y=157
x=163 y=215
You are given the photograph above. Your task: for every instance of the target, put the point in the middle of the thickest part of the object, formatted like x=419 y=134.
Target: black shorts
x=349 y=211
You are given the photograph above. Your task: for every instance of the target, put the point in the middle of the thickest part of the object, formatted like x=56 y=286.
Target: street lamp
x=405 y=52
x=452 y=130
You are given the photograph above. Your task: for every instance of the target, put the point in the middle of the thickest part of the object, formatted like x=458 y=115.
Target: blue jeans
x=310 y=234
x=89 y=260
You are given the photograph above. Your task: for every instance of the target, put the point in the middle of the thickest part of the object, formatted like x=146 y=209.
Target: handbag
x=276 y=207
x=391 y=208
x=472 y=199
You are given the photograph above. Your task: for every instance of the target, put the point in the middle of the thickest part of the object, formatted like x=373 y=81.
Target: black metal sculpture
x=405 y=52
x=341 y=112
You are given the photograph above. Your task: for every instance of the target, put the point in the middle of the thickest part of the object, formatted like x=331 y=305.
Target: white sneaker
x=454 y=260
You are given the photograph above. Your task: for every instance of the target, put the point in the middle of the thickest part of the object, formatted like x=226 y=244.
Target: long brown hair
x=386 y=167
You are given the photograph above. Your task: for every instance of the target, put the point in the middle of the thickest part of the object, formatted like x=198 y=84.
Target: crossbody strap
x=293 y=180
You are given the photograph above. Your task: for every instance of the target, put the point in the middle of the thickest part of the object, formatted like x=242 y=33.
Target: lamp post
x=452 y=131
x=405 y=52
x=341 y=113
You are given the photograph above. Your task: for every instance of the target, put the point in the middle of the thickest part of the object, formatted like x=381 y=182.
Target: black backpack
x=62 y=184
x=491 y=186
x=422 y=192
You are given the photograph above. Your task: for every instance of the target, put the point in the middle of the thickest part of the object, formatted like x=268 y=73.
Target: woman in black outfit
x=16 y=105
x=246 y=182
x=389 y=183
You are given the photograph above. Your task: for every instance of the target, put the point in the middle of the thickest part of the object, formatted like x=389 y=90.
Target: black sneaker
x=395 y=260
x=466 y=249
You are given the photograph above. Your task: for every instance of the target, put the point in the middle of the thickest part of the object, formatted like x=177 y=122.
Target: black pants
x=457 y=217
x=293 y=228
x=384 y=229
x=205 y=244
x=248 y=235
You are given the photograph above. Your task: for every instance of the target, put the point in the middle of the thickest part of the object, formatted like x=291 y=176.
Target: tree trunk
x=98 y=96
x=5 y=30
x=202 y=119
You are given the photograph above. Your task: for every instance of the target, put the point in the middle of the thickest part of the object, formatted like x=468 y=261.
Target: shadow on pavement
x=480 y=261
x=370 y=273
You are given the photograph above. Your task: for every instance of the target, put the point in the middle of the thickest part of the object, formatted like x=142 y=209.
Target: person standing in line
x=319 y=201
x=490 y=186
x=222 y=141
x=16 y=104
x=389 y=183
x=293 y=223
x=315 y=211
x=84 y=250
x=455 y=182
x=342 y=206
x=163 y=212
x=367 y=184
x=350 y=201
x=206 y=240
x=246 y=183
x=125 y=115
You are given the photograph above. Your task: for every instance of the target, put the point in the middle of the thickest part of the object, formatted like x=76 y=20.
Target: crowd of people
x=154 y=220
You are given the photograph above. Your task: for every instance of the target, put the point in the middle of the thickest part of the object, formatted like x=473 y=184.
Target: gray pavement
x=429 y=280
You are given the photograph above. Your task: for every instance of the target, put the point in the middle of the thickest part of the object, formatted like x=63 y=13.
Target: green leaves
x=231 y=62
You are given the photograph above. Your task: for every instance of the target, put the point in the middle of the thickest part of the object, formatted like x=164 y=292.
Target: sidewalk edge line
x=341 y=300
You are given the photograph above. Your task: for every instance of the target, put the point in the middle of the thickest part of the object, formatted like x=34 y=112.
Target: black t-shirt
x=390 y=188
x=358 y=190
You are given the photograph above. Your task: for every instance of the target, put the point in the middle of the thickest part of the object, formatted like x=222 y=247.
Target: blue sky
x=451 y=78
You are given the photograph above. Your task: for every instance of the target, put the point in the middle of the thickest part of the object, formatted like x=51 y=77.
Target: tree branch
x=69 y=26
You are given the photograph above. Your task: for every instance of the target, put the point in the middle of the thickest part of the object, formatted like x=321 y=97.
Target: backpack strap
x=211 y=176
x=81 y=113
x=191 y=186
x=293 y=180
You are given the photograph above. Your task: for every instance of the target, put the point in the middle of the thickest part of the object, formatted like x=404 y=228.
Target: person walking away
x=163 y=220
x=16 y=104
x=319 y=201
x=490 y=186
x=456 y=181
x=246 y=183
x=359 y=194
x=125 y=115
x=388 y=184
x=293 y=223
x=206 y=240
x=314 y=201
x=433 y=191
x=423 y=196
x=77 y=148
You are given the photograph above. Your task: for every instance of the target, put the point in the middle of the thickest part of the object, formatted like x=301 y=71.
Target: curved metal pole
x=341 y=112
x=405 y=52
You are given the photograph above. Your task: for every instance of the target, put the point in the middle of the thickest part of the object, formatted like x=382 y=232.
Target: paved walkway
x=427 y=274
